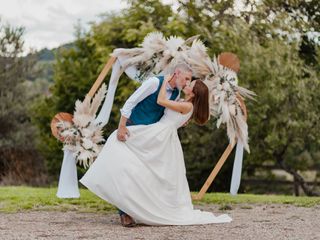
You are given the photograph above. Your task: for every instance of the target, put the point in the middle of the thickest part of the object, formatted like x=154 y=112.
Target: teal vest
x=148 y=111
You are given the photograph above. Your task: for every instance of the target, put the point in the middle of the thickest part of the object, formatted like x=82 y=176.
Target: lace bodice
x=174 y=118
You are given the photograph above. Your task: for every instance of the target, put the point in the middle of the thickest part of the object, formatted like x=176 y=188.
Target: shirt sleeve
x=148 y=87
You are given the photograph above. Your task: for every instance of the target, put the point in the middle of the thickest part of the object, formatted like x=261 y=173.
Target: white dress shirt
x=148 y=87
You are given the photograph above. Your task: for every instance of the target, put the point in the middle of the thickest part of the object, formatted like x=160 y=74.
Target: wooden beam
x=101 y=77
x=214 y=173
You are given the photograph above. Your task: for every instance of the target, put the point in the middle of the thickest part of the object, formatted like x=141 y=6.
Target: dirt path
x=252 y=221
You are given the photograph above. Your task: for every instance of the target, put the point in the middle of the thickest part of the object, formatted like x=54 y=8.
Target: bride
x=145 y=176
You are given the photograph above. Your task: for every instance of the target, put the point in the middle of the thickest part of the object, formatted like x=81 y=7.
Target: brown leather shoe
x=127 y=221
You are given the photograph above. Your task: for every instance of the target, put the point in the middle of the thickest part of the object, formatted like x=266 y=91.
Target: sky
x=50 y=23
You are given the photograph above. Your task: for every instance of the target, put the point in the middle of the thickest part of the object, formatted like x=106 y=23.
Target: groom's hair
x=183 y=67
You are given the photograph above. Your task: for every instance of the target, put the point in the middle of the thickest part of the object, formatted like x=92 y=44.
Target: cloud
x=51 y=23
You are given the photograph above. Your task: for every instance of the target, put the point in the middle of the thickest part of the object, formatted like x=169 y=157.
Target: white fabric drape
x=68 y=180
x=104 y=114
x=237 y=168
x=131 y=72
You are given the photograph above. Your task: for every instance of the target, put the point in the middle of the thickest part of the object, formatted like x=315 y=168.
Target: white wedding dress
x=146 y=175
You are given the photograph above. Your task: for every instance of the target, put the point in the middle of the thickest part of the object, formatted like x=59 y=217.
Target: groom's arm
x=148 y=87
x=182 y=107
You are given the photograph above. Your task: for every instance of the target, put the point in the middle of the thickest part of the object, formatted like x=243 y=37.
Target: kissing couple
x=141 y=168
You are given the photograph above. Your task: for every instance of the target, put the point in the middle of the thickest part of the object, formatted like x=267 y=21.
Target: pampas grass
x=84 y=137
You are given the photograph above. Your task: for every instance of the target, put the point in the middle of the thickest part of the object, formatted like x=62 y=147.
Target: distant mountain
x=46 y=54
x=41 y=74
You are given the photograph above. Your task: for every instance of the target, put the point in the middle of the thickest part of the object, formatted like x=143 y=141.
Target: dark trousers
x=121 y=212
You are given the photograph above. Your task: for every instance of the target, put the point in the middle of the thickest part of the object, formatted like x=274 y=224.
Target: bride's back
x=175 y=118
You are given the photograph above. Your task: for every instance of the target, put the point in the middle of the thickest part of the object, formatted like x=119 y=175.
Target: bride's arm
x=183 y=107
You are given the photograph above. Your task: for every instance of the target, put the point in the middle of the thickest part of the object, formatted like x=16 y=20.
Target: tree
x=19 y=161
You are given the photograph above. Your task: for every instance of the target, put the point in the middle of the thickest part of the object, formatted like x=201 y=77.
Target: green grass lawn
x=21 y=198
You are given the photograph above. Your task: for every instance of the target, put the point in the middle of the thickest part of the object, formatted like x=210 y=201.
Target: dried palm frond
x=156 y=54
x=154 y=41
x=126 y=52
x=97 y=99
x=198 y=59
x=191 y=39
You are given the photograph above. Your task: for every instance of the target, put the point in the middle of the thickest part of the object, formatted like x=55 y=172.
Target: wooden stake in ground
x=214 y=173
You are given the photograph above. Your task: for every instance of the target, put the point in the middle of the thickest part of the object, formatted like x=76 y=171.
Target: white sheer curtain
x=237 y=169
x=68 y=180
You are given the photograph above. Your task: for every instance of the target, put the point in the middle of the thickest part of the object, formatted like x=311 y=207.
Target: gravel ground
x=254 y=221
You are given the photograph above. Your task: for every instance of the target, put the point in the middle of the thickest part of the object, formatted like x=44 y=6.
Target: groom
x=142 y=108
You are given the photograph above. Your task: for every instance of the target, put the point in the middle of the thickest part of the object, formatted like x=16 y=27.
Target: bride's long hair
x=200 y=103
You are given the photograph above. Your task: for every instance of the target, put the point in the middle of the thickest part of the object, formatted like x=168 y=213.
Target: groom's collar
x=169 y=87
